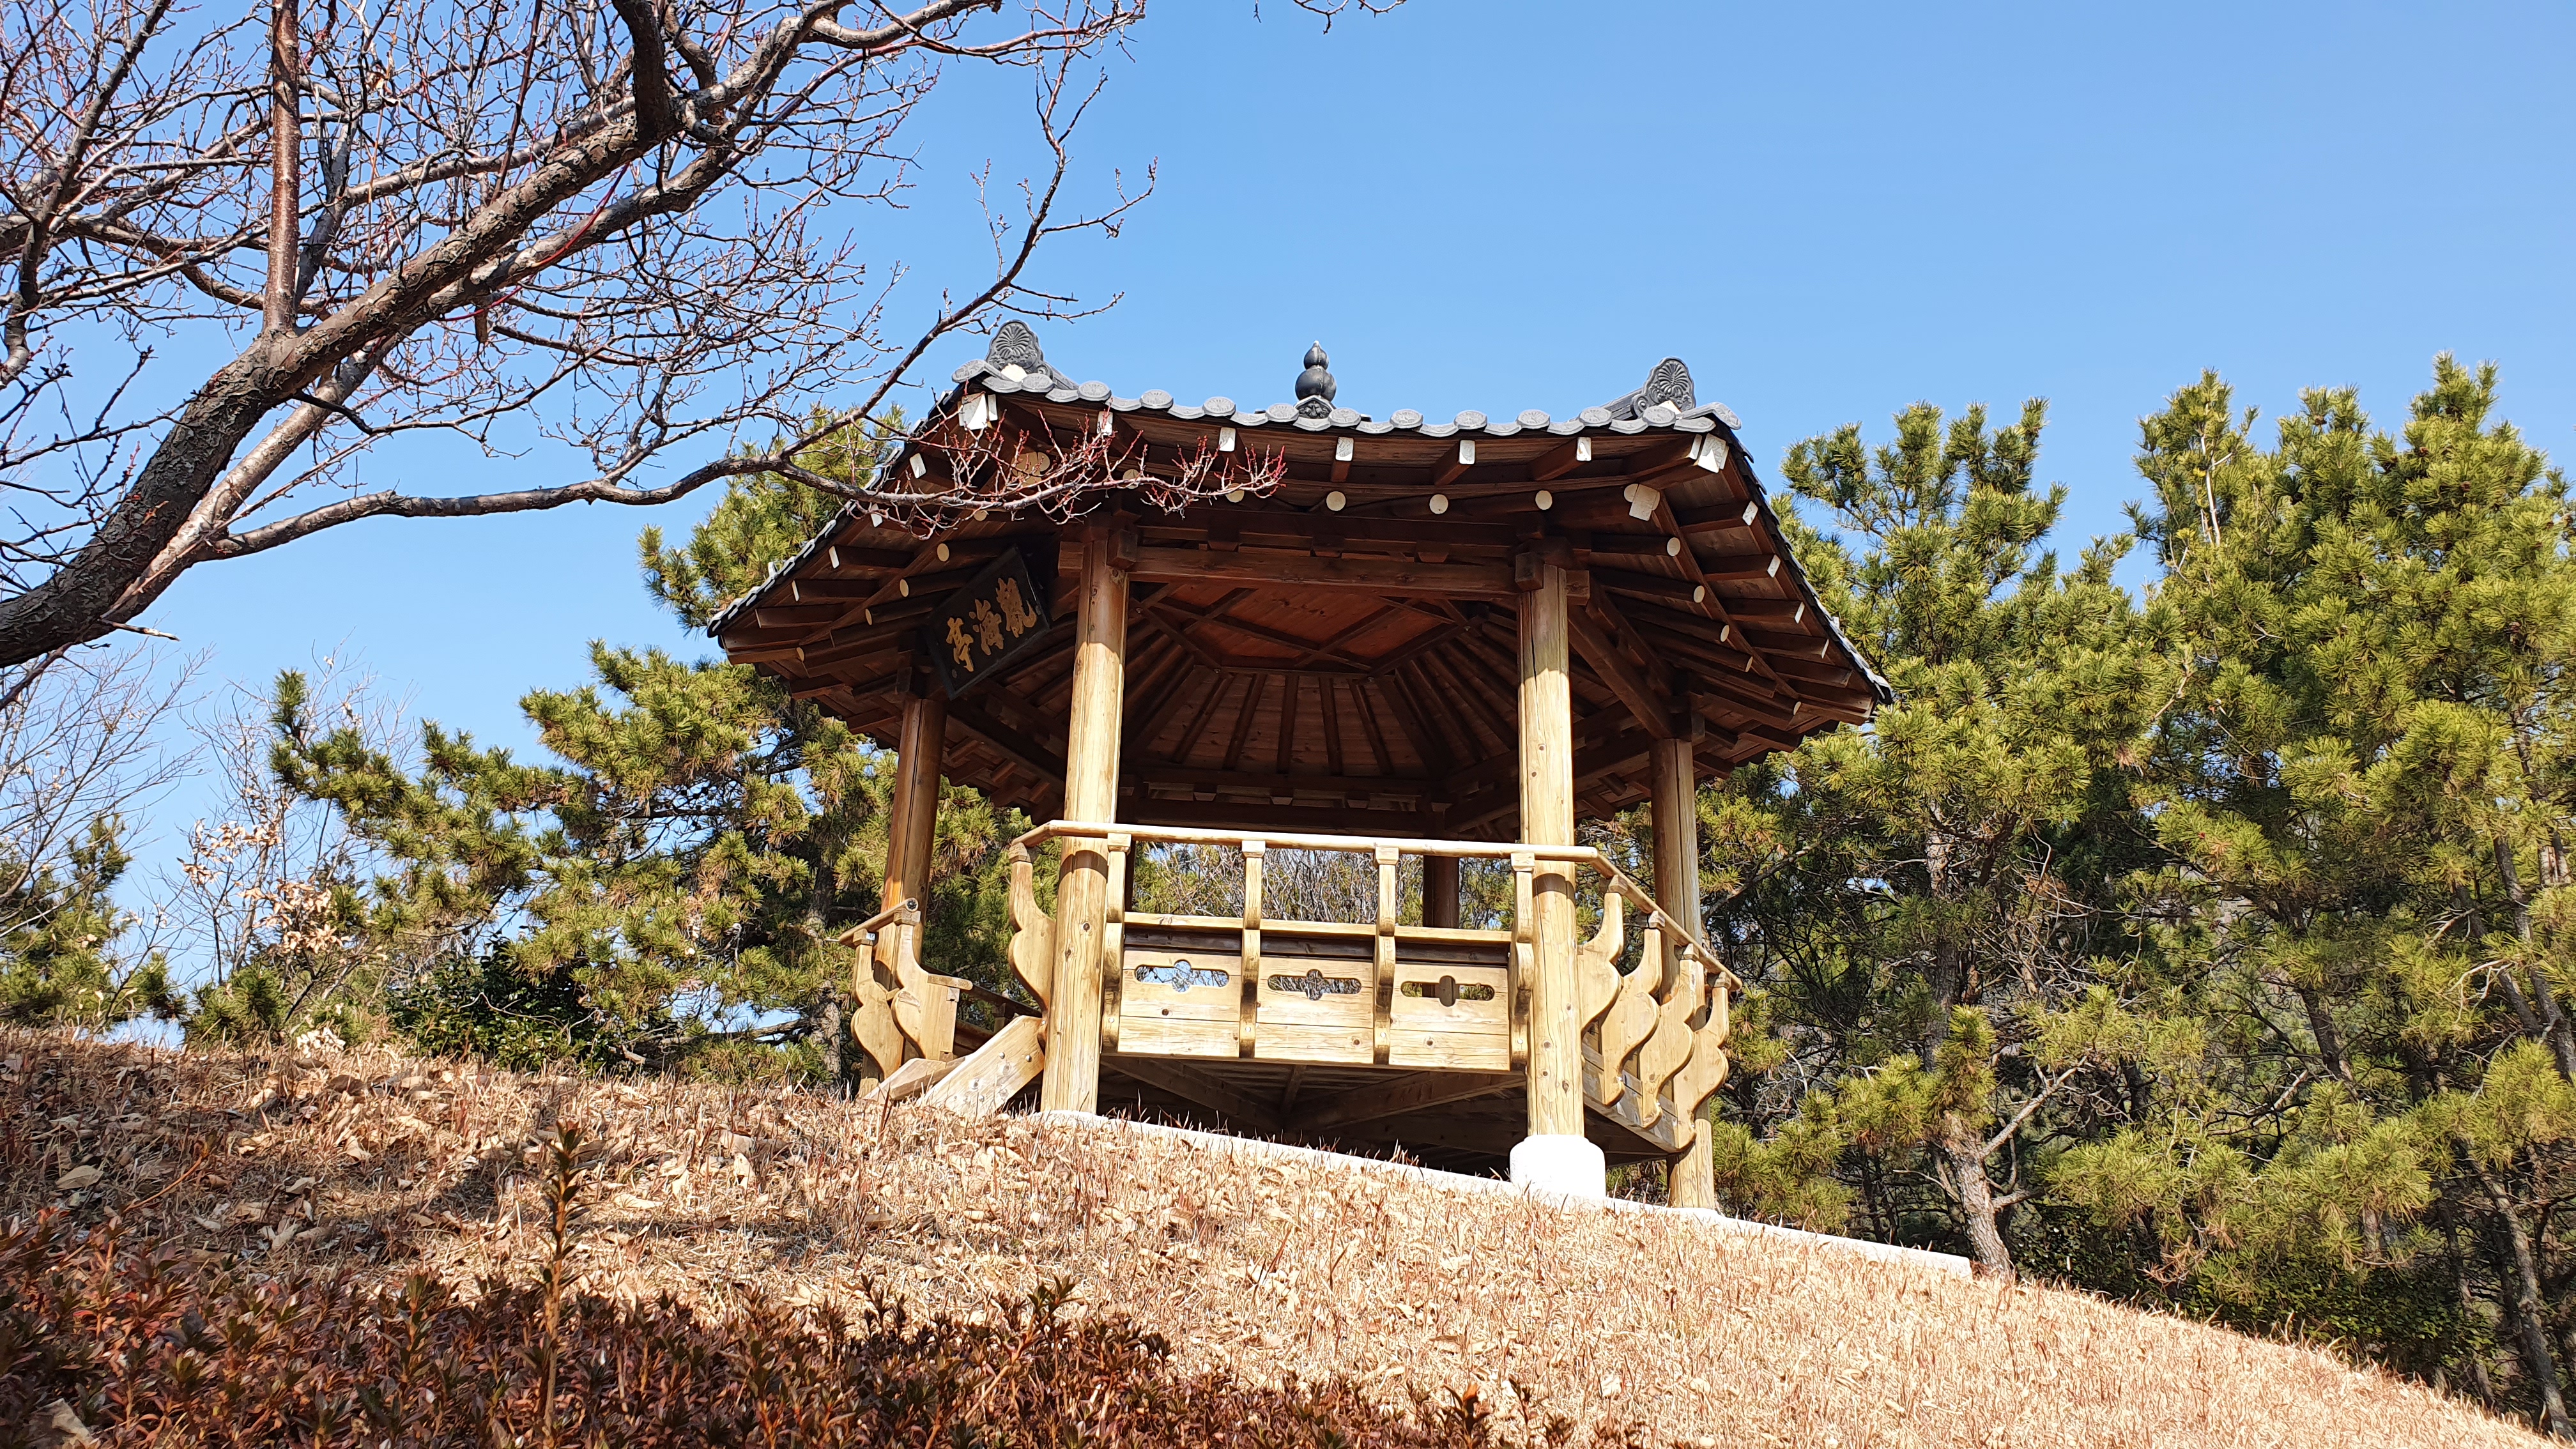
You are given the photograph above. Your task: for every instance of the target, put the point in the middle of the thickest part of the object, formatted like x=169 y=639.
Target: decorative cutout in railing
x=1442 y=998
x=1181 y=975
x=1449 y=992
x=1316 y=985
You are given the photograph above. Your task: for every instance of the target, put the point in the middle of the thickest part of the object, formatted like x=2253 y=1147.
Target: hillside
x=1257 y=1268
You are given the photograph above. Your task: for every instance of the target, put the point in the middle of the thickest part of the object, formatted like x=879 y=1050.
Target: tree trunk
x=1977 y=1205
x=2479 y=1379
x=827 y=1027
x=2522 y=1285
x=2551 y=1023
x=2329 y=1037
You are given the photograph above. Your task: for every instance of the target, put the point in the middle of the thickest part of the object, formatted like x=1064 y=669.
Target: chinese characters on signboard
x=998 y=615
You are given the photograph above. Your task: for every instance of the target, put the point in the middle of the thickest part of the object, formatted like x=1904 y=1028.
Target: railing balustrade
x=1253 y=986
x=916 y=1015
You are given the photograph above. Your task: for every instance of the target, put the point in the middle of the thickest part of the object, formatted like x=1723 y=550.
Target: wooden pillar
x=1556 y=1155
x=915 y=817
x=1090 y=793
x=1440 y=890
x=1690 y=1180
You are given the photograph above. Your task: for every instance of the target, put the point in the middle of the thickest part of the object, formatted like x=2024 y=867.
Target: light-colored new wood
x=912 y=820
x=1691 y=1179
x=1463 y=1035
x=1665 y=1131
x=1596 y=962
x=1090 y=793
x=1382 y=1034
x=1664 y=1052
x=914 y=814
x=1158 y=1018
x=1705 y=1072
x=872 y=1016
x=1631 y=1016
x=1547 y=818
x=1674 y=786
x=1113 y=936
x=991 y=1075
x=910 y=1080
x=1032 y=930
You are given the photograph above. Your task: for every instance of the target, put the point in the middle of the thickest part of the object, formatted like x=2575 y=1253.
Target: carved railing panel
x=1379 y=992
x=899 y=1010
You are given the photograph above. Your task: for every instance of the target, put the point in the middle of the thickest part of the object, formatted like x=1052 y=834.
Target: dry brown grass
x=1257 y=1267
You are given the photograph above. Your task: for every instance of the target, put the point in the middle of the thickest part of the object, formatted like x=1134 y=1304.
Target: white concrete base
x=1561 y=1163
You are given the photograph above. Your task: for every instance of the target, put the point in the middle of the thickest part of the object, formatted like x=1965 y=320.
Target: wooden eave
x=1293 y=663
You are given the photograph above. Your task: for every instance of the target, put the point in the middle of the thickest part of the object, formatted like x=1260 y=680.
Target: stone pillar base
x=1561 y=1163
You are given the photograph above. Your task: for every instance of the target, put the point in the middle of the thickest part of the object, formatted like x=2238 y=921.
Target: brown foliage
x=1258 y=1271
x=142 y=1348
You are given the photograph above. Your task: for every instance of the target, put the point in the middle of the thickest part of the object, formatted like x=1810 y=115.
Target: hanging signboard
x=998 y=615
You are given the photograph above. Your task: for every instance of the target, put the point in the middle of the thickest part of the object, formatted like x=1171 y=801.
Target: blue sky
x=1828 y=211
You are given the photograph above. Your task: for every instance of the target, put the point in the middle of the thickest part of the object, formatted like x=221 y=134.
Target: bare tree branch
x=464 y=209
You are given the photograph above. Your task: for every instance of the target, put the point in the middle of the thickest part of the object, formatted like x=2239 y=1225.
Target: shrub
x=139 y=1345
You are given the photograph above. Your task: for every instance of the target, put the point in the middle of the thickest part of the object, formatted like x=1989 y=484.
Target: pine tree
x=2362 y=792
x=686 y=859
x=59 y=963
x=1937 y=881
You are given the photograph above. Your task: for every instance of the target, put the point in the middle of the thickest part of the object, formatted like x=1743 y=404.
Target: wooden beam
x=1726 y=519
x=1345 y=819
x=1272 y=528
x=1415 y=1092
x=1244 y=714
x=1567 y=456
x=1437 y=758
x=1652 y=707
x=1794 y=646
x=1154 y=772
x=1005 y=741
x=1681 y=593
x=1197 y=1088
x=1290 y=572
x=1755 y=569
x=842 y=558
x=1455 y=466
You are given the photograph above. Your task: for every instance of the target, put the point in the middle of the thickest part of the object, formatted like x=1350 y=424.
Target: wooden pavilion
x=1156 y=625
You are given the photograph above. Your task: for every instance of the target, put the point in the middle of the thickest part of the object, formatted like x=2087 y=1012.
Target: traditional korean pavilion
x=1158 y=625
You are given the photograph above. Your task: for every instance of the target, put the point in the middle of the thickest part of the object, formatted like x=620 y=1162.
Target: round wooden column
x=915 y=816
x=1090 y=793
x=1440 y=890
x=1556 y=1154
x=1674 y=784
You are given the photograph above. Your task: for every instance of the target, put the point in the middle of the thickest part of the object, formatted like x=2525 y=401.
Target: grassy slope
x=1265 y=1269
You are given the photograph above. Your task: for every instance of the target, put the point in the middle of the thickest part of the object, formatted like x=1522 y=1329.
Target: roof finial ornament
x=1669 y=385
x=1315 y=386
x=1015 y=354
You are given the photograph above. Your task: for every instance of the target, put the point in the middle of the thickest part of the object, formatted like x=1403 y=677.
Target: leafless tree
x=618 y=228
x=258 y=876
x=84 y=739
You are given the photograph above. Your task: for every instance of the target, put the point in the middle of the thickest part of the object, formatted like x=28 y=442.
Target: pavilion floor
x=1343 y=1108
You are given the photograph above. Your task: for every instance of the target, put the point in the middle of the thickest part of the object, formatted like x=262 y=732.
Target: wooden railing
x=899 y=1010
x=1384 y=993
